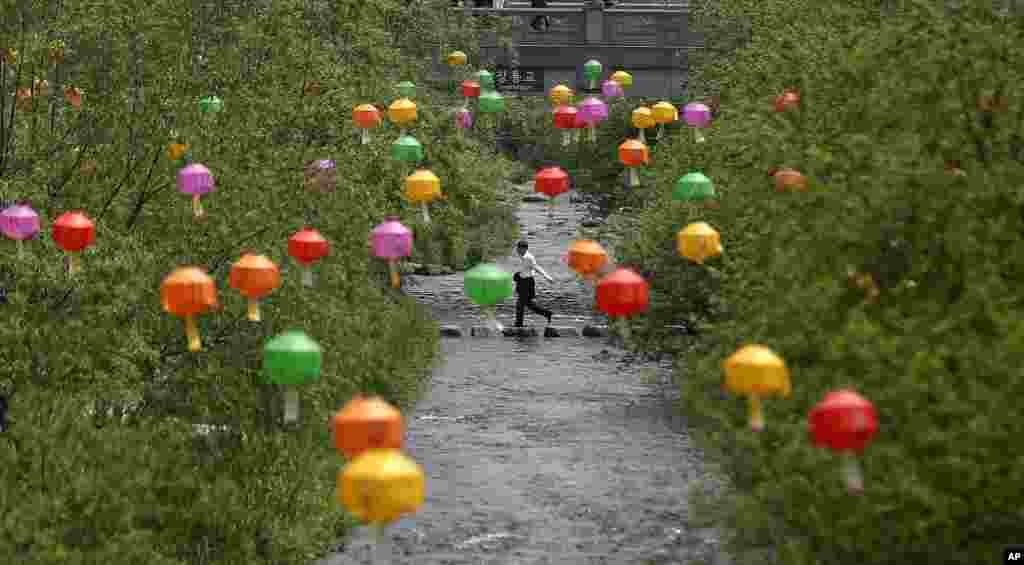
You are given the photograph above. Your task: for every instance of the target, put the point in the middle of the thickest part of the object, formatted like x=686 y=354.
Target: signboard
x=519 y=79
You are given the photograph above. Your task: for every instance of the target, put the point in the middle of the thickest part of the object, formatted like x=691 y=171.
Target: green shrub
x=885 y=102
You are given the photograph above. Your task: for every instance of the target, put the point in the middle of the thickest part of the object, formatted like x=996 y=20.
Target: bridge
x=650 y=40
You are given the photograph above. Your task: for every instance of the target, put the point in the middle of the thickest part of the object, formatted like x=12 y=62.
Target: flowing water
x=543 y=450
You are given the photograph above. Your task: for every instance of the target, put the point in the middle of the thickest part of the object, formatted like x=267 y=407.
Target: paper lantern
x=565 y=120
x=74 y=232
x=587 y=258
x=623 y=78
x=470 y=89
x=845 y=422
x=73 y=96
x=406 y=89
x=485 y=79
x=55 y=51
x=643 y=118
x=456 y=58
x=24 y=101
x=756 y=371
x=551 y=181
x=291 y=359
x=196 y=179
x=307 y=247
x=560 y=95
x=366 y=117
x=463 y=118
x=633 y=154
x=380 y=486
x=593 y=111
x=402 y=112
x=663 y=113
x=391 y=241
x=492 y=102
x=698 y=117
x=19 y=222
x=176 y=151
x=790 y=179
x=486 y=285
x=321 y=175
x=612 y=89
x=698 y=241
x=592 y=72
x=211 y=105
x=423 y=187
x=255 y=276
x=407 y=149
x=366 y=423
x=311 y=88
x=789 y=100
x=40 y=88
x=9 y=55
x=186 y=293
x=623 y=294
x=694 y=187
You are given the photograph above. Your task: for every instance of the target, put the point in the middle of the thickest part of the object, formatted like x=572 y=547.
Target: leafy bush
x=102 y=461
x=889 y=105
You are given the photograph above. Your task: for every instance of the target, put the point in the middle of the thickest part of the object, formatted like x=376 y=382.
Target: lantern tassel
x=756 y=413
x=661 y=131
x=624 y=329
x=576 y=136
x=551 y=207
x=192 y=332
x=396 y=281
x=291 y=405
x=197 y=207
x=381 y=544
x=698 y=136
x=566 y=138
x=852 y=473
x=492 y=320
x=74 y=263
x=593 y=84
x=307 y=277
x=426 y=213
x=643 y=138
x=21 y=249
x=593 y=133
x=364 y=136
x=253 y=312
x=634 y=178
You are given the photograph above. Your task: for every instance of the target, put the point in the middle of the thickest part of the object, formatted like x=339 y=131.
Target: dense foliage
x=893 y=106
x=101 y=461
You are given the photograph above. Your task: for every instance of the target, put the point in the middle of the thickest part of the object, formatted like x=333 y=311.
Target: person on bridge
x=526 y=287
x=540 y=23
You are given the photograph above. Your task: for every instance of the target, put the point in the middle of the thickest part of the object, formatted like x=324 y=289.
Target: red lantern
x=470 y=89
x=73 y=95
x=621 y=294
x=845 y=422
x=551 y=181
x=565 y=119
x=788 y=100
x=307 y=247
x=74 y=232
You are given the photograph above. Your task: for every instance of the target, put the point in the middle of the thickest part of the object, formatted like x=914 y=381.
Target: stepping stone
x=481 y=331
x=520 y=332
x=451 y=331
x=534 y=198
x=678 y=329
x=595 y=331
x=561 y=331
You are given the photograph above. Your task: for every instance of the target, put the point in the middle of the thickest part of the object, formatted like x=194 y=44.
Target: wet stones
x=451 y=331
x=549 y=331
x=595 y=331
x=534 y=198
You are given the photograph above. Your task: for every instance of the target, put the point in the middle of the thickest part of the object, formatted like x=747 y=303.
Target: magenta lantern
x=611 y=89
x=697 y=116
x=592 y=111
x=463 y=118
x=195 y=179
x=19 y=222
x=392 y=241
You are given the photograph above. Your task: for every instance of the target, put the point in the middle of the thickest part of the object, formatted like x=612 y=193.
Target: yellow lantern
x=423 y=187
x=643 y=118
x=456 y=58
x=176 y=151
x=623 y=78
x=698 y=241
x=756 y=371
x=561 y=94
x=664 y=113
x=381 y=485
x=402 y=112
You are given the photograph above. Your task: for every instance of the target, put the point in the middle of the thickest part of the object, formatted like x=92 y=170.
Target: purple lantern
x=698 y=116
x=463 y=118
x=611 y=89
x=19 y=222
x=593 y=110
x=391 y=241
x=195 y=179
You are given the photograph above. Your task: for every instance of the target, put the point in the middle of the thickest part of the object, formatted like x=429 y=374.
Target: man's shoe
x=549 y=318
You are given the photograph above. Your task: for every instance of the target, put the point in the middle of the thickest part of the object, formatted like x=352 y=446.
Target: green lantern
x=407 y=149
x=291 y=359
x=487 y=285
x=406 y=89
x=492 y=102
x=592 y=72
x=211 y=105
x=485 y=79
x=694 y=187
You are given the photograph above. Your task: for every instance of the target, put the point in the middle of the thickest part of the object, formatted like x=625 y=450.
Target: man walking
x=540 y=23
x=526 y=287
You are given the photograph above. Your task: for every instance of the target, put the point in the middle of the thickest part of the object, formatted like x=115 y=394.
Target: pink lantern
x=611 y=89
x=391 y=241
x=19 y=222
x=592 y=111
x=195 y=179
x=463 y=118
x=697 y=116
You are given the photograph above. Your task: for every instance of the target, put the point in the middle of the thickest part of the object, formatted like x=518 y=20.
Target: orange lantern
x=789 y=100
x=73 y=96
x=311 y=88
x=367 y=423
x=186 y=293
x=255 y=276
x=994 y=103
x=366 y=117
x=633 y=153
x=790 y=179
x=587 y=258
